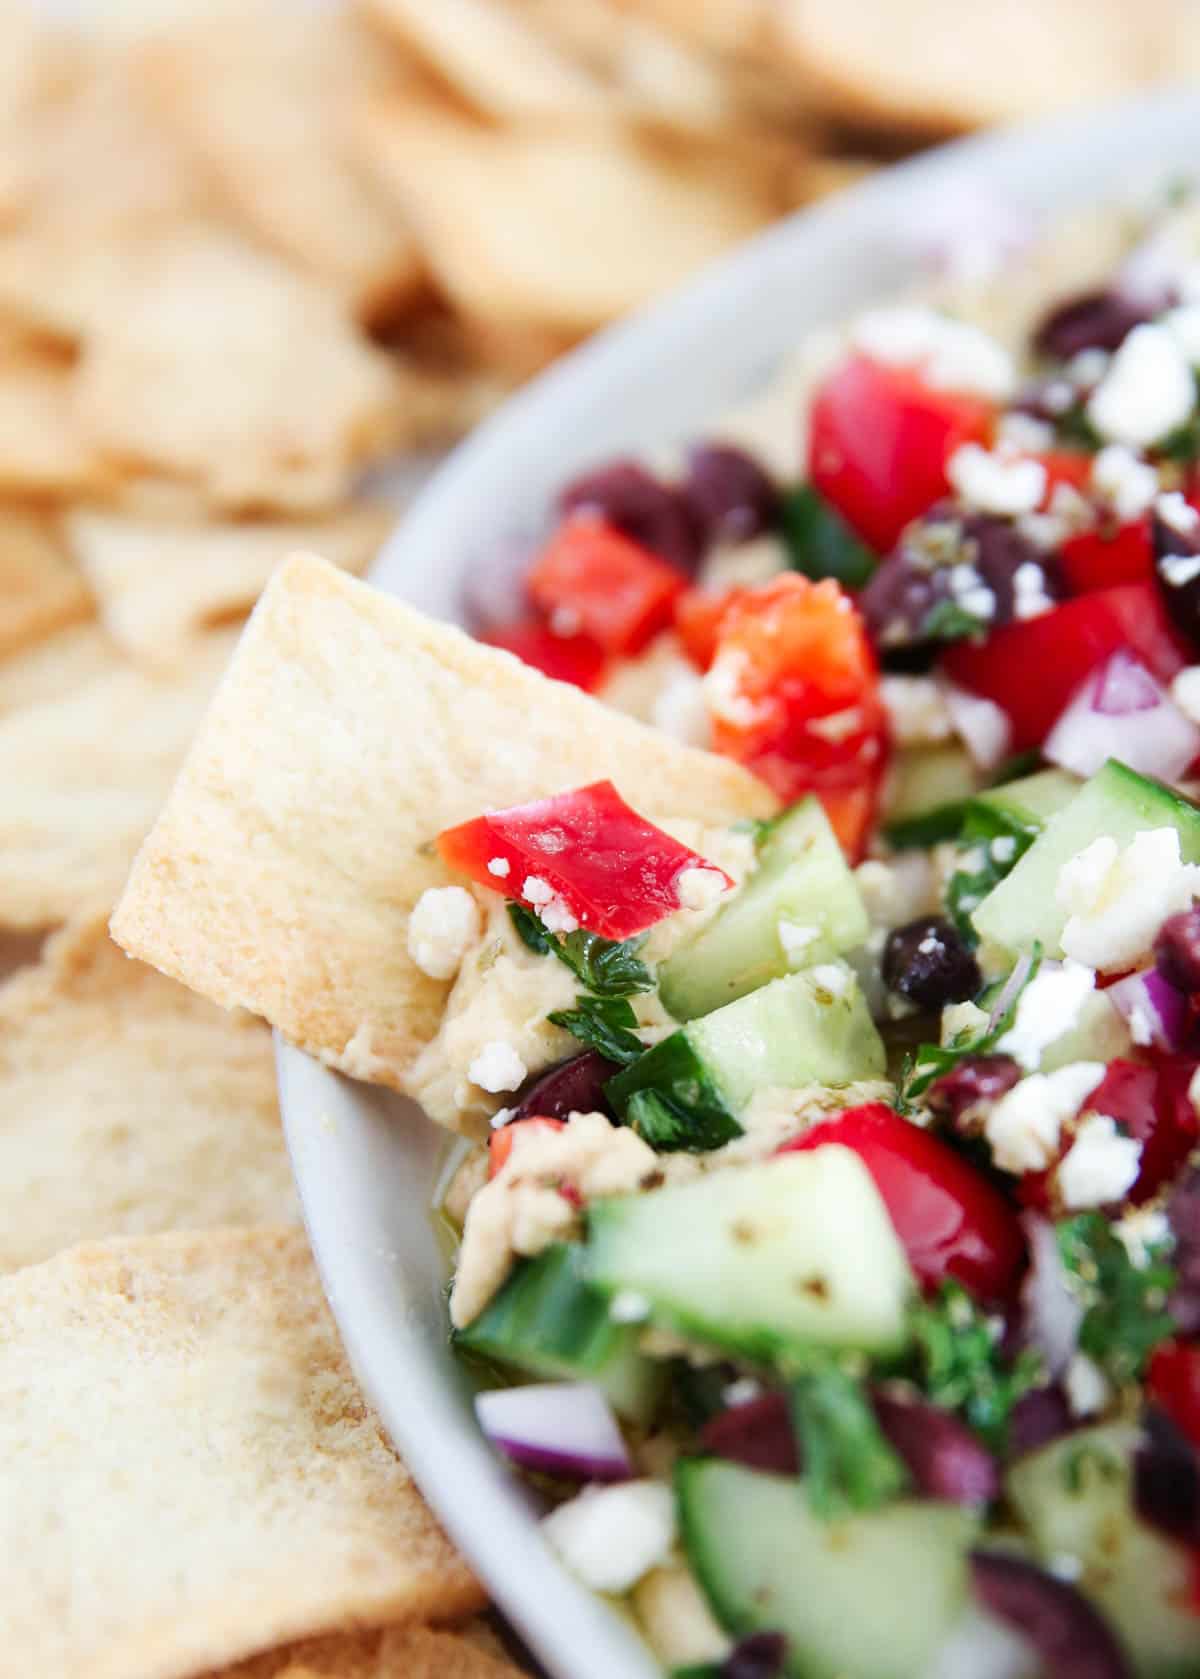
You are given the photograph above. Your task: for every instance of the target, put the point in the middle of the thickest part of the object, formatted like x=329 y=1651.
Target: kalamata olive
x=760 y=1655
x=1071 y=1637
x=945 y=1458
x=1039 y=1416
x=929 y=962
x=1183 y=1216
x=1166 y=1479
x=758 y=1433
x=628 y=497
x=1175 y=532
x=730 y=497
x=1095 y=320
x=574 y=1086
x=1177 y=950
x=1001 y=551
x=977 y=1081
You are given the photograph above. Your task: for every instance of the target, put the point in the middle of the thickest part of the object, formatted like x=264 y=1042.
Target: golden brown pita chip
x=261 y=95
x=394 y=1653
x=188 y=1471
x=128 y=1106
x=350 y=730
x=561 y=230
x=83 y=777
x=159 y=583
x=43 y=449
x=40 y=590
x=55 y=666
x=226 y=369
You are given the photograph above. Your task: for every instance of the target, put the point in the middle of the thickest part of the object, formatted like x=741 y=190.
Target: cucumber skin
x=548 y=1321
x=876 y=1637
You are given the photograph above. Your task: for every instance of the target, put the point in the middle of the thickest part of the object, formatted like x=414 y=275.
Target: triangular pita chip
x=394 y=1653
x=40 y=590
x=348 y=732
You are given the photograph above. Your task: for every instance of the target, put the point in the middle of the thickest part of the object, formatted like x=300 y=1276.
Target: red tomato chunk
x=613 y=871
x=1173 y=1379
x=565 y=658
x=604 y=586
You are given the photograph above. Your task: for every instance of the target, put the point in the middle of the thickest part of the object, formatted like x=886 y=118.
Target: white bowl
x=367 y=1163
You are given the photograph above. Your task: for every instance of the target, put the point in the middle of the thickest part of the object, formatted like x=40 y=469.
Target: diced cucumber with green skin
x=1030 y=802
x=869 y=1597
x=927 y=795
x=1117 y=802
x=548 y=1321
x=1074 y=1497
x=810 y=1028
x=763 y=1260
x=802 y=879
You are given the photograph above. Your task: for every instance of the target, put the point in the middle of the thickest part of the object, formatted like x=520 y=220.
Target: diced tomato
x=952 y=1222
x=608 y=587
x=584 y=852
x=879 y=440
x=1061 y=648
x=1173 y=1379
x=1153 y=1105
x=566 y=658
x=502 y=1142
x=1096 y=559
x=1063 y=466
x=698 y=615
x=796 y=696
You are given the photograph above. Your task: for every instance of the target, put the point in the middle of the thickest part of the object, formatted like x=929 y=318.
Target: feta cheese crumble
x=499 y=866
x=917 y=711
x=795 y=941
x=1147 y=390
x=1139 y=1231
x=1030 y=599
x=497 y=1067
x=1024 y=1126
x=1173 y=510
x=1086 y=1386
x=1116 y=898
x=1185 y=691
x=1127 y=483
x=551 y=910
x=1100 y=1166
x=952 y=355
x=700 y=887
x=1047 y=1010
x=832 y=977
x=610 y=1536
x=443 y=926
x=628 y=1306
x=994 y=481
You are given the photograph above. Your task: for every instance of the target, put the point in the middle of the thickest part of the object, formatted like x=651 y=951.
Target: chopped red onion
x=1010 y=991
x=980 y=724
x=1120 y=711
x=1155 y=1012
x=1071 y=1637
x=564 y=1428
x=1053 y=1311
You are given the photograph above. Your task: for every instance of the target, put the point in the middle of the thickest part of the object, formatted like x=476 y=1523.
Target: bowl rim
x=1065 y=159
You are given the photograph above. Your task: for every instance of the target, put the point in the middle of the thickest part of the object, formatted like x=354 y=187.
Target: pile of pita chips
x=406 y=1652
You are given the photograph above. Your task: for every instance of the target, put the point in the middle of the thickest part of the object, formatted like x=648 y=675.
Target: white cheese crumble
x=1185 y=691
x=679 y=708
x=1026 y=433
x=795 y=940
x=917 y=711
x=628 y=1306
x=700 y=887
x=1140 y=1230
x=610 y=1536
x=536 y=891
x=1116 y=898
x=1180 y=569
x=551 y=910
x=499 y=866
x=1175 y=511
x=996 y=482
x=1023 y=1127
x=1086 y=1386
x=971 y=592
x=832 y=976
x=1183 y=323
x=1100 y=1166
x=443 y=926
x=952 y=355
x=1127 y=483
x=1030 y=599
x=497 y=1067
x=1047 y=1010
x=1147 y=390
x=744 y=1391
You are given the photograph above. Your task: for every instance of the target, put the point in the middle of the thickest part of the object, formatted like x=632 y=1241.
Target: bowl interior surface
x=367 y=1163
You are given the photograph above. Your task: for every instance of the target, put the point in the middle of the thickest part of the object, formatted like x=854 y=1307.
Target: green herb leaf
x=670 y=1127
x=932 y=1060
x=991 y=848
x=602 y=1023
x=1089 y=1462
x=1074 y=427
x=532 y=934
x=819 y=542
x=607 y=967
x=960 y=1365
x=1126 y=1304
x=849 y=1464
x=948 y=621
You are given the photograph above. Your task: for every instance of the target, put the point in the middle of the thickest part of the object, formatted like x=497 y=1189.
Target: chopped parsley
x=962 y=1367
x=819 y=542
x=606 y=967
x=602 y=1023
x=1126 y=1312
x=849 y=1464
x=948 y=621
x=992 y=845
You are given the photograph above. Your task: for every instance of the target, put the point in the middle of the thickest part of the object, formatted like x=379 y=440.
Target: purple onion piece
x=628 y=497
x=760 y=1655
x=1183 y=1215
x=562 y=1428
x=1098 y=320
x=1156 y=1012
x=1010 y=991
x=758 y=1434
x=1039 y=1416
x=1152 y=735
x=1177 y=950
x=1071 y=1637
x=1125 y=685
x=1166 y=1479
x=574 y=1086
x=729 y=496
x=945 y=1459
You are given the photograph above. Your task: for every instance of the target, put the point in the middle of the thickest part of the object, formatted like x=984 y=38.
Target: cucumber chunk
x=870 y=1597
x=794 y=1253
x=1029 y=802
x=803 y=882
x=1074 y=1496
x=927 y=795
x=1116 y=801
x=810 y=1028
x=547 y=1321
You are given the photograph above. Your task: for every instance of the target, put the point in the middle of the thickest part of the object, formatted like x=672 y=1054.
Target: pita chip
x=128 y=1105
x=349 y=731
x=43 y=448
x=40 y=590
x=157 y=584
x=52 y=668
x=190 y=1474
x=395 y=1653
